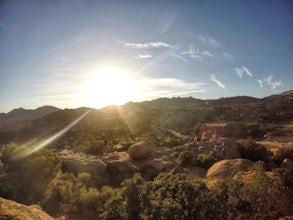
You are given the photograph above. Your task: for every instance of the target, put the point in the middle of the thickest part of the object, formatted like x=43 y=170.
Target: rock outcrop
x=119 y=163
x=15 y=211
x=230 y=147
x=211 y=131
x=78 y=162
x=140 y=150
x=228 y=168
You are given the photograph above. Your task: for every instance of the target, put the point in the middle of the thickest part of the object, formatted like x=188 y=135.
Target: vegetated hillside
x=179 y=158
x=183 y=114
x=21 y=115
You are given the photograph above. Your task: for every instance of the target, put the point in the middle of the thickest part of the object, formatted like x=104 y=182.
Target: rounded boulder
x=140 y=150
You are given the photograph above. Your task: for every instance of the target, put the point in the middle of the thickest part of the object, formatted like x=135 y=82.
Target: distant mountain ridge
x=20 y=115
x=138 y=117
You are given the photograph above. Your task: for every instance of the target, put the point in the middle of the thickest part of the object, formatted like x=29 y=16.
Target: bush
x=185 y=158
x=254 y=152
x=205 y=160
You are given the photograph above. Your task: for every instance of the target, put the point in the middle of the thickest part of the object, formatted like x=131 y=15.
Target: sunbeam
x=39 y=144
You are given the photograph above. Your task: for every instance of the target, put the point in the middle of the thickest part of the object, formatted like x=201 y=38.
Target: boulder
x=78 y=162
x=119 y=148
x=156 y=165
x=13 y=211
x=118 y=163
x=228 y=168
x=140 y=150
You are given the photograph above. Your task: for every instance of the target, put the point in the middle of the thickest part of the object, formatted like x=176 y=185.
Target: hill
x=22 y=115
x=123 y=161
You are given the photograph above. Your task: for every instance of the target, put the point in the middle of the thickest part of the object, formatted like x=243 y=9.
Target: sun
x=109 y=86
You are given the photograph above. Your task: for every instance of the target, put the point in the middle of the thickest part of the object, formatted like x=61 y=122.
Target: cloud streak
x=260 y=82
x=210 y=41
x=273 y=84
x=196 y=54
x=143 y=56
x=227 y=56
x=148 y=45
x=242 y=70
x=218 y=82
x=150 y=88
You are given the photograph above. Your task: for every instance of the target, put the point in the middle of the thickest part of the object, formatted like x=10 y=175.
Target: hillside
x=124 y=162
x=22 y=115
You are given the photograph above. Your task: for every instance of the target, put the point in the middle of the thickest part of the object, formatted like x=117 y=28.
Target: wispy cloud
x=227 y=56
x=240 y=71
x=196 y=54
x=179 y=57
x=273 y=84
x=218 y=82
x=246 y=70
x=210 y=41
x=1 y=24
x=148 y=45
x=150 y=88
x=207 y=54
x=143 y=56
x=260 y=82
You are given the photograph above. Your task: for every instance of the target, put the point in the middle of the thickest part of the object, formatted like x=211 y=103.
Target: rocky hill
x=14 y=211
x=127 y=160
x=21 y=115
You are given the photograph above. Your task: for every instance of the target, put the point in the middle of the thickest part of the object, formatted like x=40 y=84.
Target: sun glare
x=109 y=86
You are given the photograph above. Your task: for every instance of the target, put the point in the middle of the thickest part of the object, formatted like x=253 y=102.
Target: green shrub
x=205 y=160
x=253 y=151
x=185 y=158
x=84 y=178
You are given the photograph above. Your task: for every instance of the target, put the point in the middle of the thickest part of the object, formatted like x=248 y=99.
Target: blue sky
x=52 y=51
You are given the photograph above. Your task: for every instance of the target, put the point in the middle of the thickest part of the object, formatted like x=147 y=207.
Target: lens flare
x=35 y=145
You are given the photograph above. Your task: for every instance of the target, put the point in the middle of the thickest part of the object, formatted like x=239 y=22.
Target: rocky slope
x=15 y=211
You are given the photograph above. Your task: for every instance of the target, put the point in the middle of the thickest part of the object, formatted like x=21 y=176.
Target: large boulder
x=228 y=168
x=14 y=211
x=78 y=162
x=140 y=150
x=119 y=163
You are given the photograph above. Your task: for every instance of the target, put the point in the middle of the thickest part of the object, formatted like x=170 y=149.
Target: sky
x=73 y=53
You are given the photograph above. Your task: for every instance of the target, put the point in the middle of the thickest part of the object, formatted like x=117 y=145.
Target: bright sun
x=109 y=86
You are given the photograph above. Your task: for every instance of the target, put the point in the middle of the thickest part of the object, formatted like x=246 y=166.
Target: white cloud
x=143 y=56
x=1 y=24
x=207 y=54
x=246 y=70
x=260 y=82
x=227 y=56
x=196 y=54
x=214 y=43
x=149 y=88
x=179 y=57
x=218 y=82
x=148 y=45
x=273 y=84
x=240 y=71
x=202 y=38
x=210 y=41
